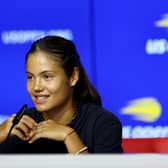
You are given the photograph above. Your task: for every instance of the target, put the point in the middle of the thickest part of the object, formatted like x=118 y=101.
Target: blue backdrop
x=123 y=46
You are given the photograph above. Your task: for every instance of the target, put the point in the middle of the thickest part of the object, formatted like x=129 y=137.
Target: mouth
x=39 y=99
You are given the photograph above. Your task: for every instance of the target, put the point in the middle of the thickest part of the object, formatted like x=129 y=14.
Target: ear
x=75 y=76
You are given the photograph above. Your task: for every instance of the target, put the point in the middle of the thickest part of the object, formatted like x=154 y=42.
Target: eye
x=29 y=77
x=48 y=76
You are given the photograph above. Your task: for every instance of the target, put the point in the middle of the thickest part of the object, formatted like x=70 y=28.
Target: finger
x=33 y=132
x=23 y=128
x=8 y=122
x=28 y=121
x=37 y=133
x=13 y=115
x=35 y=136
x=19 y=134
x=11 y=118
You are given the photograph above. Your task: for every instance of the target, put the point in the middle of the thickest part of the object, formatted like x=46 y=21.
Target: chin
x=41 y=108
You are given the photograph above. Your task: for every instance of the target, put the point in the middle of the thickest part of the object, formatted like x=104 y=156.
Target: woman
x=67 y=117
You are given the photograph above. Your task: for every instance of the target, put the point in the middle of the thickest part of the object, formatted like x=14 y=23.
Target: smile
x=40 y=99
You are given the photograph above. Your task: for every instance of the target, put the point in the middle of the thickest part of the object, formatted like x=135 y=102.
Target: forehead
x=42 y=60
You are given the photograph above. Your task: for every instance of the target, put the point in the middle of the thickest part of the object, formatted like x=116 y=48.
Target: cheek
x=28 y=87
x=60 y=88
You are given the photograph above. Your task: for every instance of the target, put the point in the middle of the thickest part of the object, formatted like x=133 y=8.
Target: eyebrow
x=41 y=73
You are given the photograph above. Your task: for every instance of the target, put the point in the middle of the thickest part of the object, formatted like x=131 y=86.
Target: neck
x=62 y=114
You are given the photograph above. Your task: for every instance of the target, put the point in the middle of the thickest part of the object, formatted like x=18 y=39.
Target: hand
x=24 y=127
x=49 y=129
x=5 y=127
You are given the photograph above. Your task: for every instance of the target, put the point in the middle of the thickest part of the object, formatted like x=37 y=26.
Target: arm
x=74 y=143
x=55 y=131
x=5 y=127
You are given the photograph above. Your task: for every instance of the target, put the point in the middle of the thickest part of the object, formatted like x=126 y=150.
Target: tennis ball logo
x=143 y=109
x=162 y=22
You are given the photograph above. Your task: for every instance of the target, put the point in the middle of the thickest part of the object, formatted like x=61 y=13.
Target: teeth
x=41 y=97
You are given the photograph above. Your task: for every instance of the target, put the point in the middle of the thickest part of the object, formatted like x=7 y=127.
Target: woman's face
x=47 y=83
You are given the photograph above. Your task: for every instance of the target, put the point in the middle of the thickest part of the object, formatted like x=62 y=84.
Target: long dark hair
x=65 y=52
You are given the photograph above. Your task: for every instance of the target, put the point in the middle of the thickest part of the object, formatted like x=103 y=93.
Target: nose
x=38 y=86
